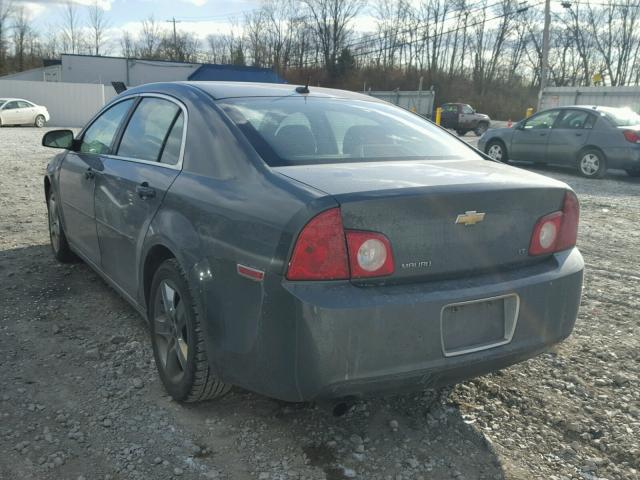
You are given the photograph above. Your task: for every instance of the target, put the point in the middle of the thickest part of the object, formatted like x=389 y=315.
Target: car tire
x=497 y=150
x=177 y=338
x=633 y=172
x=40 y=121
x=481 y=128
x=59 y=243
x=592 y=163
x=461 y=133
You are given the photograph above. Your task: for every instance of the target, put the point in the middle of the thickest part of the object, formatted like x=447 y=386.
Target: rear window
x=300 y=130
x=621 y=117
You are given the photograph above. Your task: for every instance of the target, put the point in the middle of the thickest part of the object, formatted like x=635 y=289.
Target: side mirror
x=58 y=139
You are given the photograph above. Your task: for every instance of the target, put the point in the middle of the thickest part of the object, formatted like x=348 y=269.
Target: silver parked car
x=589 y=138
x=17 y=111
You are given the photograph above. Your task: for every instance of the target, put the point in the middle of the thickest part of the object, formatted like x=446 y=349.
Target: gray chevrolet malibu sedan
x=588 y=138
x=312 y=244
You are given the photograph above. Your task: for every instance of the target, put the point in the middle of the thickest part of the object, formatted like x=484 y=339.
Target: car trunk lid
x=443 y=218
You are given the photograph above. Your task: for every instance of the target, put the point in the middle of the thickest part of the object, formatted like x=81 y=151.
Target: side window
x=450 y=108
x=99 y=136
x=24 y=105
x=542 y=120
x=11 y=106
x=575 y=120
x=173 y=144
x=467 y=109
x=148 y=128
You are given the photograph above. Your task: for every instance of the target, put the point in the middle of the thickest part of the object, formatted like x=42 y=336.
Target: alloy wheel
x=171 y=332
x=39 y=122
x=589 y=164
x=495 y=152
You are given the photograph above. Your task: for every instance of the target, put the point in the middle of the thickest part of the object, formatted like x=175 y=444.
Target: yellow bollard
x=438 y=115
x=529 y=112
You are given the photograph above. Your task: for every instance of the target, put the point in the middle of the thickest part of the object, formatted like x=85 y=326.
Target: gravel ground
x=79 y=395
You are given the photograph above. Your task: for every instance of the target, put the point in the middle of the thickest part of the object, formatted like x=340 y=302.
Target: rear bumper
x=354 y=341
x=623 y=157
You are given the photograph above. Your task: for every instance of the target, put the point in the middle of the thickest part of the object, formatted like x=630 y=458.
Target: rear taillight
x=324 y=251
x=369 y=254
x=320 y=252
x=557 y=231
x=631 y=136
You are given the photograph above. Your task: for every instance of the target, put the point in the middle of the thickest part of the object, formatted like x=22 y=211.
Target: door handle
x=89 y=174
x=144 y=191
x=578 y=134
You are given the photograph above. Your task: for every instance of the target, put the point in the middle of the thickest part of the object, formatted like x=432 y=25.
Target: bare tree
x=98 y=25
x=331 y=22
x=21 y=31
x=151 y=37
x=5 y=12
x=71 y=29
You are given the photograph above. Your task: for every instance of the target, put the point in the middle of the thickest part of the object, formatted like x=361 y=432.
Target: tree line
x=486 y=52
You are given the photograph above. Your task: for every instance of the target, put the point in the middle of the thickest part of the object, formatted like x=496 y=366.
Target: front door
x=569 y=135
x=11 y=113
x=133 y=183
x=77 y=180
x=530 y=138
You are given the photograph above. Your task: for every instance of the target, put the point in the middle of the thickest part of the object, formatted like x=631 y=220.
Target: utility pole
x=544 y=68
x=175 y=36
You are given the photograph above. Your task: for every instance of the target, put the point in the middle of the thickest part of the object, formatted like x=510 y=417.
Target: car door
x=569 y=134
x=449 y=115
x=467 y=117
x=530 y=138
x=78 y=175
x=133 y=182
x=11 y=113
x=26 y=112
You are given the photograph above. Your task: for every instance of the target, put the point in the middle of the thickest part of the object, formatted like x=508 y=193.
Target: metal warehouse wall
x=416 y=101
x=70 y=104
x=602 y=96
x=132 y=72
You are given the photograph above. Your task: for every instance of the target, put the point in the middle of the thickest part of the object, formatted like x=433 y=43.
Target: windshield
x=621 y=117
x=300 y=130
x=2 y=102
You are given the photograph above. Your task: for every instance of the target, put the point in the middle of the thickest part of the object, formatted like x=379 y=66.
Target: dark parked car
x=312 y=245
x=463 y=118
x=588 y=138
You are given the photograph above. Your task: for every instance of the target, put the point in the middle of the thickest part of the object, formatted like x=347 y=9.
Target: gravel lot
x=79 y=395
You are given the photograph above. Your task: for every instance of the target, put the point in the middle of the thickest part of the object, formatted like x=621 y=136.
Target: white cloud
x=42 y=4
x=197 y=3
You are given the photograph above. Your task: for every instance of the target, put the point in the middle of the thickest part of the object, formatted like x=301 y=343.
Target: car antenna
x=304 y=89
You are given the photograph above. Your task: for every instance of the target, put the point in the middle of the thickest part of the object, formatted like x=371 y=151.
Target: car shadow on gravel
x=402 y=436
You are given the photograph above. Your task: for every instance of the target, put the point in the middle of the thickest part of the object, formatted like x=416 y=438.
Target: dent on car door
x=133 y=183
x=529 y=141
x=77 y=179
x=569 y=134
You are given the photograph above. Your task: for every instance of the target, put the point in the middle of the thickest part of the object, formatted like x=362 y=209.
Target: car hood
x=359 y=177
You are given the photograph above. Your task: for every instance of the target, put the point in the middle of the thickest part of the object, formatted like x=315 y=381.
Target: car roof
x=219 y=90
x=14 y=99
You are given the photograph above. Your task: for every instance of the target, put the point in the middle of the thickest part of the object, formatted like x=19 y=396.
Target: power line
x=453 y=30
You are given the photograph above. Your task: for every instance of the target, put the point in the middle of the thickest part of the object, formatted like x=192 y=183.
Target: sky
x=201 y=17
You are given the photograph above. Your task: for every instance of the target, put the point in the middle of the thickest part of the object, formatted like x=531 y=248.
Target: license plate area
x=476 y=325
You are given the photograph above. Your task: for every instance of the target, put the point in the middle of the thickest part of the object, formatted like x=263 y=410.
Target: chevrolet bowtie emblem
x=470 y=218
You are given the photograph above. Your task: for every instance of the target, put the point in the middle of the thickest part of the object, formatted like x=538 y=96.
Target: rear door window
x=575 y=120
x=147 y=130
x=98 y=138
x=173 y=145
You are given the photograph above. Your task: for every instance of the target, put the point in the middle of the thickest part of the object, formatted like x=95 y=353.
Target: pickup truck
x=462 y=118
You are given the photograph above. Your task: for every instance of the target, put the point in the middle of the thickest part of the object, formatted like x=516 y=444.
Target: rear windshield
x=301 y=130
x=621 y=117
